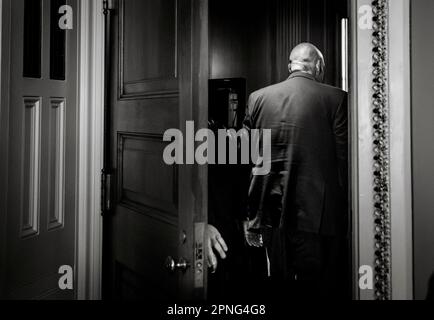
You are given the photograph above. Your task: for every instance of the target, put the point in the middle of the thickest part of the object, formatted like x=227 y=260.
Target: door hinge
x=106 y=193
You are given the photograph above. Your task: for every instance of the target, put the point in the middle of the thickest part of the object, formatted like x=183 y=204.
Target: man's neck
x=302 y=71
x=310 y=74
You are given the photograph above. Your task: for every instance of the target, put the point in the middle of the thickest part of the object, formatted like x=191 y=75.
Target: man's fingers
x=253 y=240
x=215 y=245
x=222 y=243
x=212 y=262
x=212 y=259
x=249 y=243
x=219 y=249
x=249 y=239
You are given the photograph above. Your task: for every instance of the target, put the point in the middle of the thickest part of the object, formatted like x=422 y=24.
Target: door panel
x=42 y=156
x=153 y=190
x=149 y=22
x=148 y=85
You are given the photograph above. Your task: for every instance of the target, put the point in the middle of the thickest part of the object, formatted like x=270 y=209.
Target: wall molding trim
x=381 y=148
x=381 y=108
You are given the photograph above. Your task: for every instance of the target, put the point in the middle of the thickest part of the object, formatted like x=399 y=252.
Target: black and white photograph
x=212 y=157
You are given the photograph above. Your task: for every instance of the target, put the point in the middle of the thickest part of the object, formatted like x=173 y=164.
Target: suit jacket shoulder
x=334 y=91
x=257 y=99
x=273 y=96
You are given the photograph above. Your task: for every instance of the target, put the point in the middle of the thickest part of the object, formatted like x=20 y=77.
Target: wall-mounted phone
x=227 y=102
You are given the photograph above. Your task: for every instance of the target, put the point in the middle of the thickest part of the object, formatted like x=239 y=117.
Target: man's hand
x=215 y=243
x=252 y=234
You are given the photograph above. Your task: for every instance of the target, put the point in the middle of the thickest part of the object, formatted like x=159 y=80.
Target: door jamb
x=91 y=97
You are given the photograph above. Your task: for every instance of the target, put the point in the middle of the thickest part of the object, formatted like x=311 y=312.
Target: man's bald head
x=307 y=58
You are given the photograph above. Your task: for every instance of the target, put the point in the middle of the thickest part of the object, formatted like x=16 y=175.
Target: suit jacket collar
x=300 y=74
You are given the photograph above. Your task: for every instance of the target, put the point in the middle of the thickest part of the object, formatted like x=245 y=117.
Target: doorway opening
x=249 y=50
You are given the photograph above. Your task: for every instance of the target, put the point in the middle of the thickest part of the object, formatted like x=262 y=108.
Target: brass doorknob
x=172 y=266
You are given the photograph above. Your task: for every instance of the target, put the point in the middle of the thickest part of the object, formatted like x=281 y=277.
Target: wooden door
x=159 y=56
x=41 y=198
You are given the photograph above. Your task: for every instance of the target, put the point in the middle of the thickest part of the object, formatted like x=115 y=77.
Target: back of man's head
x=305 y=57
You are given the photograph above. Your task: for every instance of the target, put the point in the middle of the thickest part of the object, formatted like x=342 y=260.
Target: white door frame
x=90 y=162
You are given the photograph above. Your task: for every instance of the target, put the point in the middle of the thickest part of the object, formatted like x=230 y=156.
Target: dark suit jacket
x=307 y=187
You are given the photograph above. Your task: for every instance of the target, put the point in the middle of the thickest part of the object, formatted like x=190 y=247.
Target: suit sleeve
x=249 y=121
x=215 y=216
x=249 y=124
x=341 y=139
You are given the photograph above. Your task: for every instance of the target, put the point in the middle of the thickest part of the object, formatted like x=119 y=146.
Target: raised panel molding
x=153 y=193
x=57 y=164
x=160 y=79
x=31 y=167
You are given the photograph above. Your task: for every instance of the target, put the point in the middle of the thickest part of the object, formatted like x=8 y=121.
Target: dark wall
x=253 y=39
x=423 y=145
x=239 y=46
x=315 y=21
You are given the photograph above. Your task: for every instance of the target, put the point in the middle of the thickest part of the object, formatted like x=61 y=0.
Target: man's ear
x=319 y=70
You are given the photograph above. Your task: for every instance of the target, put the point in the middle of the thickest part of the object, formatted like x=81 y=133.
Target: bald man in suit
x=303 y=214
